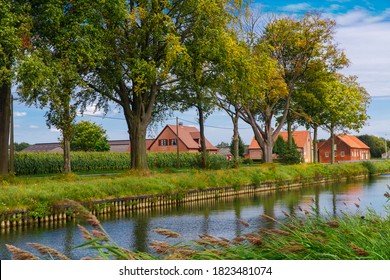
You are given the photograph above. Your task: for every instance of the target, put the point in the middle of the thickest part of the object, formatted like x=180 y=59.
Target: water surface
x=215 y=217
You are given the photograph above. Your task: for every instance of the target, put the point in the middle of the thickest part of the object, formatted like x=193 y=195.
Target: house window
x=197 y=140
x=342 y=153
x=172 y=142
x=163 y=142
x=326 y=154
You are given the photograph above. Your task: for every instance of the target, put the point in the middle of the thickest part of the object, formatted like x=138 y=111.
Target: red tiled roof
x=187 y=134
x=254 y=144
x=300 y=138
x=352 y=141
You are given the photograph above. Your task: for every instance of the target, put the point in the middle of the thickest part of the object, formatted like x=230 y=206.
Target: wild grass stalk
x=311 y=237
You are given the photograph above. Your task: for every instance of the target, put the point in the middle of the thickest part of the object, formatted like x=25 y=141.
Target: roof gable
x=300 y=138
x=187 y=134
x=42 y=147
x=352 y=141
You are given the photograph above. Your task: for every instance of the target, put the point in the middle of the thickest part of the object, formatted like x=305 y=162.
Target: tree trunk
x=332 y=146
x=138 y=111
x=137 y=131
x=289 y=133
x=67 y=163
x=269 y=136
x=67 y=130
x=5 y=94
x=269 y=146
x=315 y=144
x=236 y=140
x=203 y=150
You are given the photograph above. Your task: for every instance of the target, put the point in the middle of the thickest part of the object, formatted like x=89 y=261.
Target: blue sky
x=363 y=32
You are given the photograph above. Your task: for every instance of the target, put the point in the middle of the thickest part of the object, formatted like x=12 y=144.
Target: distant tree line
x=151 y=57
x=378 y=145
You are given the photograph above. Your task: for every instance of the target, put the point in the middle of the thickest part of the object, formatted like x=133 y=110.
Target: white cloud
x=293 y=8
x=55 y=130
x=92 y=110
x=33 y=126
x=20 y=114
x=367 y=48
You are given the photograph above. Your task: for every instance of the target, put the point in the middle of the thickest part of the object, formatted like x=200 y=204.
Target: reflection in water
x=216 y=217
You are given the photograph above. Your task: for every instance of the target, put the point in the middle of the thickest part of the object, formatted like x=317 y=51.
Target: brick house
x=347 y=148
x=301 y=138
x=188 y=139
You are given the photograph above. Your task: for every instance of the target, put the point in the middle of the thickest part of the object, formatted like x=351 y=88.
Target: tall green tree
x=13 y=29
x=296 y=46
x=308 y=106
x=235 y=72
x=207 y=48
x=60 y=54
x=346 y=106
x=141 y=48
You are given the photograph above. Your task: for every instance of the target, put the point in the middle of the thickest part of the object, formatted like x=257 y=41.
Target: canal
x=217 y=217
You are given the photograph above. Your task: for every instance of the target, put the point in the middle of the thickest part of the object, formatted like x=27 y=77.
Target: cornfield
x=52 y=163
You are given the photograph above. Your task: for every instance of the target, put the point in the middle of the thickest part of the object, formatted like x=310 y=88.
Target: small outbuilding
x=347 y=148
x=301 y=138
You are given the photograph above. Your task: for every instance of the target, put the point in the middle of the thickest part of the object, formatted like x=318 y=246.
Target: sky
x=362 y=32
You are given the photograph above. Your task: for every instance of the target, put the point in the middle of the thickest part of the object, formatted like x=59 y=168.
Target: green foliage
x=280 y=146
x=286 y=154
x=376 y=144
x=21 y=146
x=241 y=147
x=89 y=137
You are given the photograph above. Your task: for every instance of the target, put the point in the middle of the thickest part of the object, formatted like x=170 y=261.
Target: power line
x=212 y=126
x=188 y=121
x=102 y=117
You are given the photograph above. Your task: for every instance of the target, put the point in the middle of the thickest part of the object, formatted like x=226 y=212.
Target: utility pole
x=386 y=156
x=177 y=143
x=11 y=138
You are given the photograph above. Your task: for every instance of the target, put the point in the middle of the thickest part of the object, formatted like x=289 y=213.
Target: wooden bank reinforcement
x=62 y=214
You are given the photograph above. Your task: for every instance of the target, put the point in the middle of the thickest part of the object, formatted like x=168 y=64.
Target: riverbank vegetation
x=306 y=236
x=32 y=193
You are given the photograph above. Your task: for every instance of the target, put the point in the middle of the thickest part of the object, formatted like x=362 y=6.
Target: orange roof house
x=188 y=140
x=301 y=138
x=347 y=148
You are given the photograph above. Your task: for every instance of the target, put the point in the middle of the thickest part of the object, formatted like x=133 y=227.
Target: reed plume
x=19 y=254
x=48 y=251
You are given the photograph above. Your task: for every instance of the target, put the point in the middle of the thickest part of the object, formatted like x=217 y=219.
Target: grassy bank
x=32 y=193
